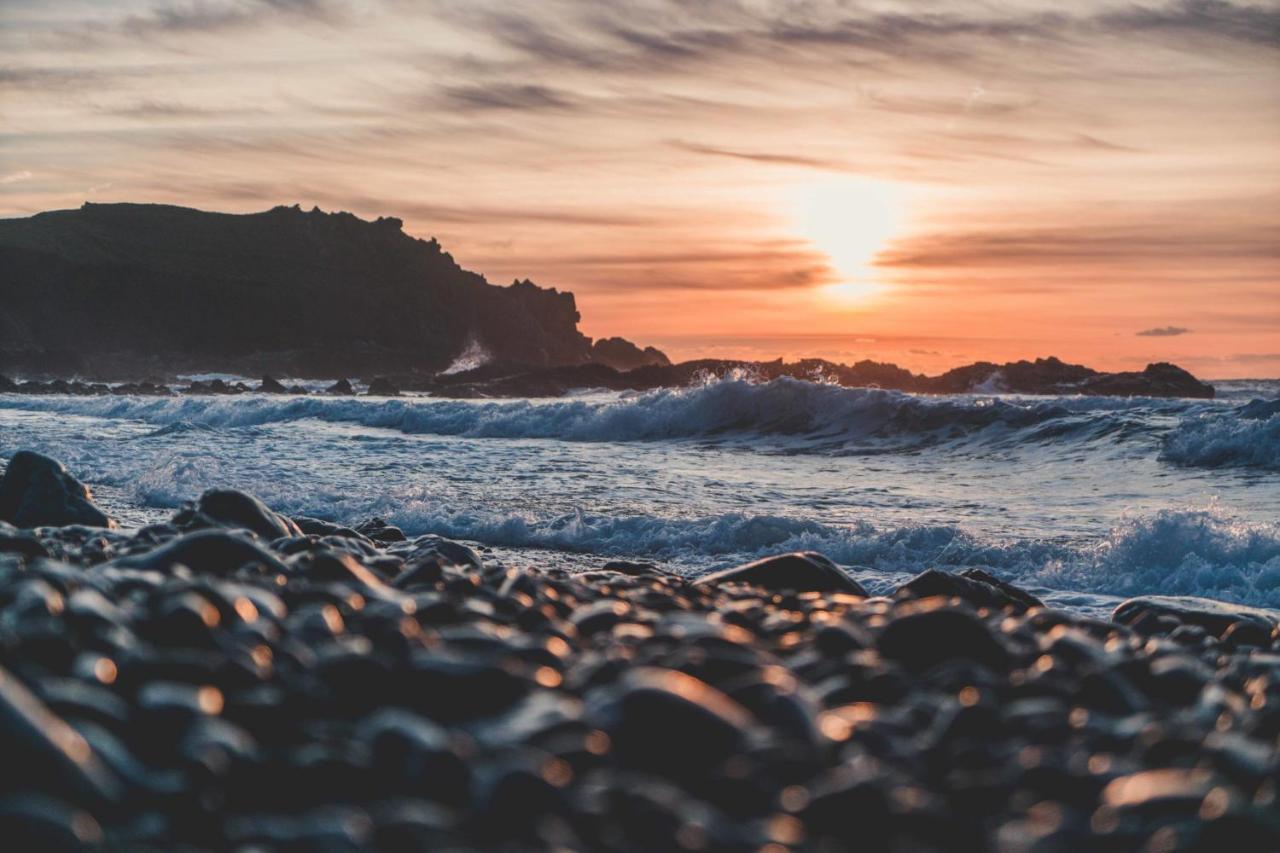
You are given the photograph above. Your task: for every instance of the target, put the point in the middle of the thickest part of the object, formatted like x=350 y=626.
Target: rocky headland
x=238 y=679
x=122 y=291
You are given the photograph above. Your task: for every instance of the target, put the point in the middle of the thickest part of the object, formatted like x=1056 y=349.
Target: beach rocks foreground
x=237 y=679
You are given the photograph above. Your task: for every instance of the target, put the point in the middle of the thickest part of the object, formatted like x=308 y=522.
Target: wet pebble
x=237 y=680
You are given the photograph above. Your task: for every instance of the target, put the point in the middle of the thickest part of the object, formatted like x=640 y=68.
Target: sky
x=929 y=183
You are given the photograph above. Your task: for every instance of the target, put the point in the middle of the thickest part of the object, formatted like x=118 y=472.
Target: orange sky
x=923 y=183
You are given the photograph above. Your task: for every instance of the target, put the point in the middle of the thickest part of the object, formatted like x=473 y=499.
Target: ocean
x=1083 y=500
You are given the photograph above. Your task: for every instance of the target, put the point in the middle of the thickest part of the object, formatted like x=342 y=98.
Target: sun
x=850 y=220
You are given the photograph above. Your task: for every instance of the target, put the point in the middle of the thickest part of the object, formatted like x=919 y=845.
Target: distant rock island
x=1042 y=376
x=148 y=292
x=128 y=291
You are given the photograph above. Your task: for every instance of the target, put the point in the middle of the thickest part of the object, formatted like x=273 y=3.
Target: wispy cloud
x=1110 y=244
x=768 y=157
x=504 y=96
x=206 y=16
x=1163 y=332
x=15 y=177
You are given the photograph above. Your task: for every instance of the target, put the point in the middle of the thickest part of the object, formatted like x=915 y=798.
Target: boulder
x=43 y=753
x=802 y=571
x=342 y=386
x=270 y=385
x=621 y=354
x=973 y=585
x=1149 y=614
x=39 y=492
x=317 y=527
x=215 y=552
x=13 y=541
x=232 y=508
x=931 y=634
x=380 y=531
x=382 y=387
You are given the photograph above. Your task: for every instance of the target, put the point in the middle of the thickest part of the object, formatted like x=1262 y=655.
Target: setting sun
x=850 y=220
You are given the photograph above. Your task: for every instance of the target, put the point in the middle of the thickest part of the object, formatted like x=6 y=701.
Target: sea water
x=1081 y=499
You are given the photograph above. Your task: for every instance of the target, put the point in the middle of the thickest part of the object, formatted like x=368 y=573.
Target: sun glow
x=850 y=220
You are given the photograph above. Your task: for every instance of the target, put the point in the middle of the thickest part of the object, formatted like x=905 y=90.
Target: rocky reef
x=1042 y=376
x=237 y=679
x=505 y=380
x=131 y=290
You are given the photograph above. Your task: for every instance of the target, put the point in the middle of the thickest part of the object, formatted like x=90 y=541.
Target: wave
x=1247 y=436
x=1174 y=552
x=1200 y=551
x=802 y=416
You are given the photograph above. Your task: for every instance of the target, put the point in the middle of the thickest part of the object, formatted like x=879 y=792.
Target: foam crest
x=806 y=416
x=1243 y=437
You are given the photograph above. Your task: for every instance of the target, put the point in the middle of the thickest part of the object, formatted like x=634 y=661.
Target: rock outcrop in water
x=621 y=354
x=1042 y=376
x=37 y=491
x=233 y=679
x=129 y=290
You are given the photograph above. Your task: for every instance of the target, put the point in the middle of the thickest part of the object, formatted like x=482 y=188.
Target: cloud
x=503 y=96
x=15 y=177
x=763 y=157
x=973 y=104
x=1085 y=245
x=153 y=109
x=1163 y=332
x=624 y=36
x=202 y=16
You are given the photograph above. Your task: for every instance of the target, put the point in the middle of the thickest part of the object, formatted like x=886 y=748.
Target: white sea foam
x=1202 y=551
x=1244 y=437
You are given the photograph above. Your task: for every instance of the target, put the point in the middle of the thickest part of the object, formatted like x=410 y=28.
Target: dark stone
x=43 y=753
x=1214 y=616
x=928 y=636
x=333 y=566
x=621 y=354
x=38 y=491
x=215 y=552
x=448 y=552
x=31 y=822
x=236 y=509
x=316 y=527
x=1246 y=632
x=380 y=531
x=973 y=585
x=453 y=689
x=14 y=542
x=342 y=386
x=382 y=387
x=802 y=571
x=672 y=723
x=418 y=753
x=270 y=385
x=633 y=568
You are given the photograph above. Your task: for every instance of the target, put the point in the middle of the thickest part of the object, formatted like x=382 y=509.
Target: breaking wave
x=1243 y=437
x=1201 y=551
x=794 y=415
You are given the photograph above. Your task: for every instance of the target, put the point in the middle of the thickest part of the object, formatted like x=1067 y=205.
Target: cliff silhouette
x=130 y=290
